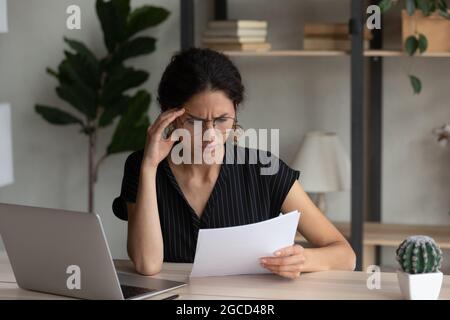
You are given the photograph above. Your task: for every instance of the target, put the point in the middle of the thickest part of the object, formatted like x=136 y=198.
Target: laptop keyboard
x=131 y=291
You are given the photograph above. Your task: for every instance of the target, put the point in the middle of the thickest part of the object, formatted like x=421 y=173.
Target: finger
x=170 y=112
x=289 y=275
x=278 y=261
x=158 y=130
x=287 y=268
x=287 y=251
x=164 y=116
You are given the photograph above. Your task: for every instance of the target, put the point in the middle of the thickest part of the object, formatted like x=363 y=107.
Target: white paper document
x=238 y=250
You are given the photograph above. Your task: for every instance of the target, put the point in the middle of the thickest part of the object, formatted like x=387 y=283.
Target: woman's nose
x=208 y=125
x=209 y=133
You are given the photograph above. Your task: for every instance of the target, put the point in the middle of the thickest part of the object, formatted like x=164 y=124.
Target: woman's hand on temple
x=157 y=147
x=287 y=262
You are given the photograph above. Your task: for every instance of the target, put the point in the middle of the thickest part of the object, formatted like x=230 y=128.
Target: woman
x=168 y=200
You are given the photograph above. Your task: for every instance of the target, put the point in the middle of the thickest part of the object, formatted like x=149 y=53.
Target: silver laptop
x=65 y=252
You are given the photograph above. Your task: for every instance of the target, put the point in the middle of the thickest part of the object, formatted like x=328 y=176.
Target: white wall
x=293 y=94
x=50 y=161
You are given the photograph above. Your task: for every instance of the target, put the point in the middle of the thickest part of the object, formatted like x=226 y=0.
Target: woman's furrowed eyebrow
x=198 y=118
x=194 y=117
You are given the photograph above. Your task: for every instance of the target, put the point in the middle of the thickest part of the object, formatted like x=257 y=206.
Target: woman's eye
x=221 y=120
x=191 y=121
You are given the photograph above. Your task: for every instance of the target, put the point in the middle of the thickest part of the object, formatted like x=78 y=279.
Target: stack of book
x=330 y=36
x=236 y=35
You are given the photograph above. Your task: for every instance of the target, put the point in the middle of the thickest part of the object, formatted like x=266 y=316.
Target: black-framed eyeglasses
x=220 y=123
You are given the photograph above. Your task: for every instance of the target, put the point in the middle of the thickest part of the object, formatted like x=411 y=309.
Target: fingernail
x=263 y=261
x=277 y=253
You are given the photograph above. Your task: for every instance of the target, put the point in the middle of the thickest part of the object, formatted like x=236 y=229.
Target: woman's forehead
x=210 y=103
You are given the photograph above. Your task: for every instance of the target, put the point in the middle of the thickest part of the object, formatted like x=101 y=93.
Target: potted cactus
x=420 y=259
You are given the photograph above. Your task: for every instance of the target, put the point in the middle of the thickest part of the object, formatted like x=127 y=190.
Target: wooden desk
x=390 y=235
x=319 y=285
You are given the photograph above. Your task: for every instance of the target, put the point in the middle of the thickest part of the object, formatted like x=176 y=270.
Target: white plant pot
x=422 y=286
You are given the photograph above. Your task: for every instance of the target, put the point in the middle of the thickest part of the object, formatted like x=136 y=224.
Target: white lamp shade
x=323 y=163
x=3 y=16
x=6 y=158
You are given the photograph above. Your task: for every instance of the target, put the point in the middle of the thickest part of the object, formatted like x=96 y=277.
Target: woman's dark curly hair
x=197 y=69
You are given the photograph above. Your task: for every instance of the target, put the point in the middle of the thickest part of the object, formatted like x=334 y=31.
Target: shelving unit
x=366 y=120
x=331 y=53
x=395 y=53
x=288 y=53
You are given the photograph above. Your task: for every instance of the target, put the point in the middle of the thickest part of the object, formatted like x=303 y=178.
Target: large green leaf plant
x=98 y=89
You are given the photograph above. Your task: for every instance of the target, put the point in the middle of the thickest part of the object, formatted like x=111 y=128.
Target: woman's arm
x=145 y=243
x=332 y=251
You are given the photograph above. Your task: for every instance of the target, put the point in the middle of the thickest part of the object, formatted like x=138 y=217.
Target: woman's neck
x=204 y=172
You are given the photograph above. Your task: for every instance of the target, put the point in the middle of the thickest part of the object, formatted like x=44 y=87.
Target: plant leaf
x=133 y=48
x=422 y=43
x=74 y=90
x=80 y=48
x=411 y=45
x=130 y=133
x=52 y=72
x=63 y=73
x=410 y=6
x=120 y=80
x=79 y=71
x=116 y=108
x=86 y=57
x=56 y=116
x=423 y=5
x=443 y=9
x=431 y=6
x=444 y=14
x=113 y=17
x=121 y=12
x=415 y=83
x=385 y=5
x=78 y=98
x=105 y=15
x=145 y=17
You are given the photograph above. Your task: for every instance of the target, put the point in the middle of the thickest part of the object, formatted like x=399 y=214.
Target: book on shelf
x=321 y=43
x=236 y=39
x=232 y=32
x=236 y=35
x=236 y=24
x=265 y=46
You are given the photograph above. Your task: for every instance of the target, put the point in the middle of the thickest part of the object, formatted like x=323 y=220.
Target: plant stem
x=97 y=166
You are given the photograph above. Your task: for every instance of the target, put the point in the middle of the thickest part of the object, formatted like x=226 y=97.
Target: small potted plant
x=425 y=28
x=420 y=260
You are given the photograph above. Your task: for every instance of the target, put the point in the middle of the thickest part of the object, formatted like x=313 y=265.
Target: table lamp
x=324 y=165
x=3 y=17
x=6 y=159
